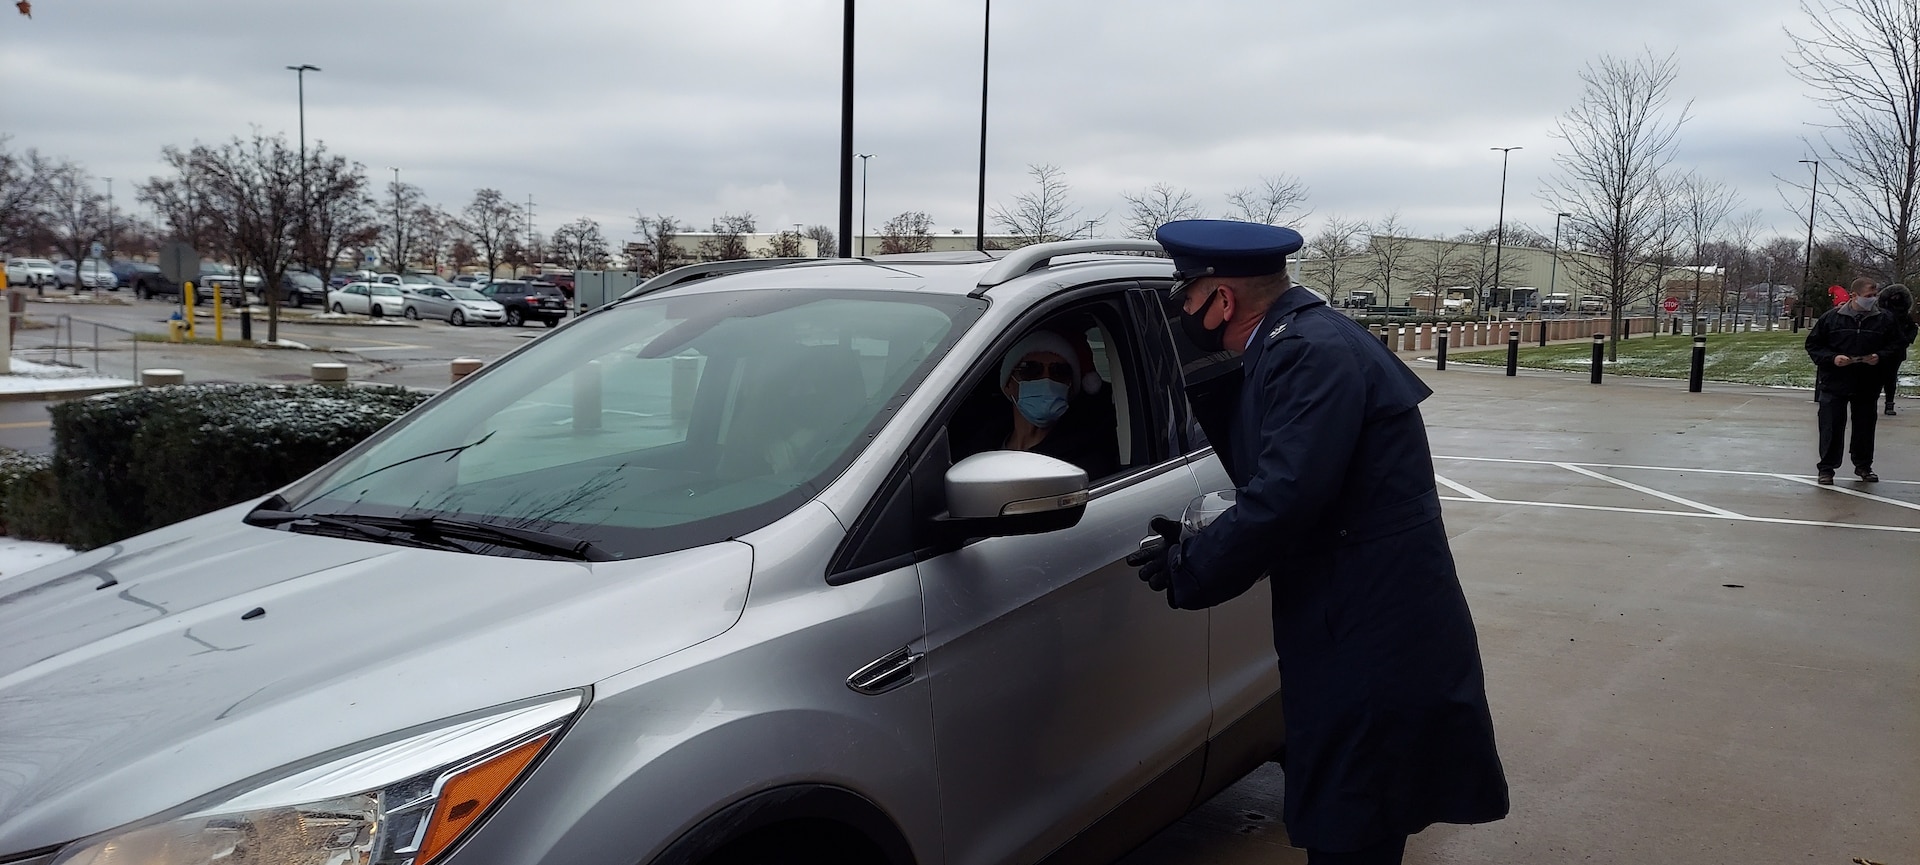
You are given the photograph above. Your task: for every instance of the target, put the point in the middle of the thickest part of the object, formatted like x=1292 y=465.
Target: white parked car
x=368 y=298
x=92 y=273
x=30 y=272
x=471 y=280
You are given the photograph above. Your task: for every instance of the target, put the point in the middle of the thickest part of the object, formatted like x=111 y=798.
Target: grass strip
x=1778 y=359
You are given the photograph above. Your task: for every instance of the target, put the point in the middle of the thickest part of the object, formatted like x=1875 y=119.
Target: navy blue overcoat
x=1387 y=724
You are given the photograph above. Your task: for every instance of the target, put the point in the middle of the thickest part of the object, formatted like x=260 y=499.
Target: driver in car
x=1050 y=411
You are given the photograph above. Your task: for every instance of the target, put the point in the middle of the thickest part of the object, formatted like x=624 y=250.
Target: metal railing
x=65 y=339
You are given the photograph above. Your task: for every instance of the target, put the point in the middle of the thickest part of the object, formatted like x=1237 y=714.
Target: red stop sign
x=1670 y=304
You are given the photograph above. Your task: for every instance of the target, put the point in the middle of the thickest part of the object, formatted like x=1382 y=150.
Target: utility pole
x=1500 y=227
x=399 y=236
x=980 y=215
x=1806 y=275
x=846 y=135
x=306 y=193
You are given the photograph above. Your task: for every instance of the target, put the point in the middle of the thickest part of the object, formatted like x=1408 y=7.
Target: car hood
x=140 y=676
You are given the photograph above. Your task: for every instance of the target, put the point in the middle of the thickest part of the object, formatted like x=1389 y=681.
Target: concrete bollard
x=161 y=377
x=328 y=374
x=461 y=367
x=1426 y=337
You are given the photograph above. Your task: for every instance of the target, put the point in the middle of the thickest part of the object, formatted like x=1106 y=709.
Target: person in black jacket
x=1387 y=724
x=1897 y=300
x=1848 y=345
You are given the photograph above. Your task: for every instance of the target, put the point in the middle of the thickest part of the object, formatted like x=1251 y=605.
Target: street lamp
x=1553 y=276
x=846 y=135
x=399 y=239
x=1089 y=227
x=109 y=249
x=1806 y=274
x=300 y=76
x=863 y=202
x=1500 y=227
x=980 y=215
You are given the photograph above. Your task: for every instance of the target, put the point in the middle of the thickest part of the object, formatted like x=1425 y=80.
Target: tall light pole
x=980 y=215
x=1088 y=227
x=1806 y=274
x=863 y=202
x=1553 y=276
x=399 y=239
x=109 y=248
x=846 y=135
x=306 y=194
x=1500 y=227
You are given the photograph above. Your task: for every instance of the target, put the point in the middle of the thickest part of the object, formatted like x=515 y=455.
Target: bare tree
x=656 y=237
x=1703 y=209
x=786 y=244
x=1046 y=213
x=823 y=240
x=1270 y=200
x=253 y=191
x=580 y=246
x=180 y=201
x=1439 y=265
x=1336 y=245
x=911 y=231
x=1862 y=60
x=728 y=241
x=1158 y=205
x=1390 y=256
x=489 y=221
x=399 y=209
x=23 y=180
x=1619 y=138
x=72 y=210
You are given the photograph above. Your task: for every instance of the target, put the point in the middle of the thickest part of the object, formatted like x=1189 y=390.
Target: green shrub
x=34 y=510
x=135 y=460
x=19 y=470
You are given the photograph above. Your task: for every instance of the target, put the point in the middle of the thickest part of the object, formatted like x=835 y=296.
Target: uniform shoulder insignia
x=1279 y=328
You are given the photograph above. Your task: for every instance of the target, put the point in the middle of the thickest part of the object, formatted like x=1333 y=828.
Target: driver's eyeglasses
x=1032 y=370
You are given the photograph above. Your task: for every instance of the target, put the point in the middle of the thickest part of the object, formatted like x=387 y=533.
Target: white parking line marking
x=378 y=347
x=1738 y=518
x=1463 y=490
x=1652 y=492
x=1641 y=468
x=1839 y=489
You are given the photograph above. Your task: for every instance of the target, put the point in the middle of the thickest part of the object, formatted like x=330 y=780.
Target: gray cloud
x=600 y=108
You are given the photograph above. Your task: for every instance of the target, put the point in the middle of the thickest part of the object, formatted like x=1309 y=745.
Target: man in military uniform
x=1387 y=724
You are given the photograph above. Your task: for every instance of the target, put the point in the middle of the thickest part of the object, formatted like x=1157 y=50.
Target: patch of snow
x=31 y=377
x=287 y=343
x=18 y=557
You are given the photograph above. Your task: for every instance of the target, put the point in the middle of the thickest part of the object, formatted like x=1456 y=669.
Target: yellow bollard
x=186 y=299
x=219 y=327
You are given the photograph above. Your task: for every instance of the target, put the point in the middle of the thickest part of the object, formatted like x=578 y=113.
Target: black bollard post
x=1599 y=354
x=1440 y=349
x=1513 y=353
x=1699 y=364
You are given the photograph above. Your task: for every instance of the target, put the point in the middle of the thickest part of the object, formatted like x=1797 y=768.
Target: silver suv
x=708 y=575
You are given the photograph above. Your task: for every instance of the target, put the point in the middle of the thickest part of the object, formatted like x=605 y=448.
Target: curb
x=59 y=395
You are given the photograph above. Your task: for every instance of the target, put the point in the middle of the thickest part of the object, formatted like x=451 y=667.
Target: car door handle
x=887 y=673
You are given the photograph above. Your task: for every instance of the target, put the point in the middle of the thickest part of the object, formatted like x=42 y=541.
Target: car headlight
x=406 y=802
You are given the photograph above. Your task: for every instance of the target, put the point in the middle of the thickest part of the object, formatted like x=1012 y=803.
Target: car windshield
x=656 y=425
x=427 y=279
x=385 y=290
x=466 y=294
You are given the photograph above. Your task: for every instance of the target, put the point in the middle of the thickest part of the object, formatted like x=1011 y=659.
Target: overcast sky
x=697 y=109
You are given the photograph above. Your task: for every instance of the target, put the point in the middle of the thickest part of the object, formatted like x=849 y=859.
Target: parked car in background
x=30 y=272
x=562 y=278
x=1555 y=303
x=1360 y=299
x=217 y=276
x=299 y=288
x=1593 y=303
x=124 y=272
x=703 y=578
x=454 y=305
x=471 y=280
x=368 y=298
x=528 y=301
x=90 y=274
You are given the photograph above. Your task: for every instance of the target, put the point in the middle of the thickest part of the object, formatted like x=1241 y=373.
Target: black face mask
x=1194 y=324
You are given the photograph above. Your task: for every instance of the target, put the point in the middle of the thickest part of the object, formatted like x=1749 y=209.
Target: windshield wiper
x=360 y=526
x=439 y=532
x=531 y=540
x=450 y=453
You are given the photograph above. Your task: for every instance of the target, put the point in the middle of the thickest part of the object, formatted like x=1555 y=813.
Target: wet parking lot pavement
x=1694 y=653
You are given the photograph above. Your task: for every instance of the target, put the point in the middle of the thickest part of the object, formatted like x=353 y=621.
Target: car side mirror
x=1004 y=493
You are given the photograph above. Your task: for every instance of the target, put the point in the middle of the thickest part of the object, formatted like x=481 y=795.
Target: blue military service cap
x=1224 y=247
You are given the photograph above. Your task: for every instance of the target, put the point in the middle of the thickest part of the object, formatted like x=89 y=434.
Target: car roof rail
x=707 y=269
x=1027 y=259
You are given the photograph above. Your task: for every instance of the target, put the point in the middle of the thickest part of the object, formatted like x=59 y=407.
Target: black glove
x=1152 y=556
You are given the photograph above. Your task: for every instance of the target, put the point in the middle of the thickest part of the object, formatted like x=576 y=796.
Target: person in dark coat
x=1897 y=301
x=1387 y=724
x=1848 y=345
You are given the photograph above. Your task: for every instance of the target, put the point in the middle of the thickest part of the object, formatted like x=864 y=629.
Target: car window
x=1102 y=427
x=659 y=424
x=386 y=290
